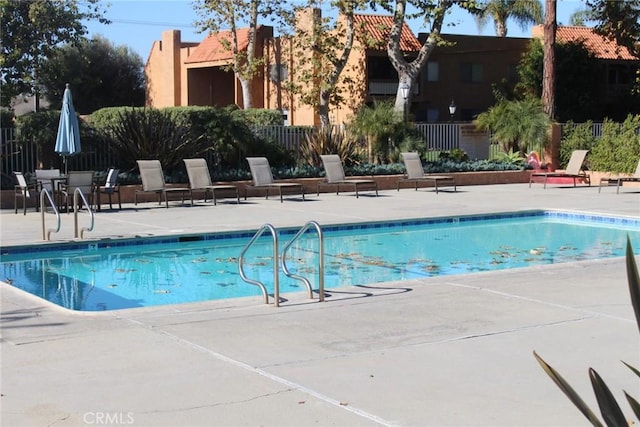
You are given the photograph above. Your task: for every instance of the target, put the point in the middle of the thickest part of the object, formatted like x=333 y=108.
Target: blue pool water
x=116 y=274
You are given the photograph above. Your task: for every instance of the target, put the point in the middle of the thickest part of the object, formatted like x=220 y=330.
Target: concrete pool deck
x=444 y=351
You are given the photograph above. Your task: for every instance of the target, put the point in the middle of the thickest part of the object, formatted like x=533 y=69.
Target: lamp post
x=452 y=110
x=404 y=90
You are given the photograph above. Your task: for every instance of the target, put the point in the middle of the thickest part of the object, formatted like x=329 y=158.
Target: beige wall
x=164 y=70
x=173 y=82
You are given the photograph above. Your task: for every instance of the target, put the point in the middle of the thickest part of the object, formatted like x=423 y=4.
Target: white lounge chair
x=416 y=175
x=573 y=170
x=620 y=179
x=335 y=176
x=25 y=191
x=153 y=182
x=200 y=180
x=77 y=179
x=49 y=179
x=263 y=178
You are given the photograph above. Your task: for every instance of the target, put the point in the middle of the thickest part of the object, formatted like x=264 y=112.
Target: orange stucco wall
x=173 y=82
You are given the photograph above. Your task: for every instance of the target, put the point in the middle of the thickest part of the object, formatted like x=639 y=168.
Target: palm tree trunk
x=549 y=67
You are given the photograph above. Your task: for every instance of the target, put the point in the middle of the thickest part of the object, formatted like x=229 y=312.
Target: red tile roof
x=376 y=28
x=214 y=48
x=600 y=46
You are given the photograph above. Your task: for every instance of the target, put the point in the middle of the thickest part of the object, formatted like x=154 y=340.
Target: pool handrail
x=44 y=192
x=276 y=285
x=285 y=269
x=78 y=192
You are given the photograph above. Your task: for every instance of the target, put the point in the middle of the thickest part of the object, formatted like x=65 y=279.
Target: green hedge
x=617 y=150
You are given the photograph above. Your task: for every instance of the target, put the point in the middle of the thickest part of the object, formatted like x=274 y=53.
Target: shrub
x=260 y=117
x=147 y=133
x=410 y=141
x=381 y=127
x=618 y=150
x=222 y=132
x=576 y=137
x=42 y=128
x=455 y=155
x=6 y=118
x=513 y=158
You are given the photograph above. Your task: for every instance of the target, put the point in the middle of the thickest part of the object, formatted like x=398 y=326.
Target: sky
x=138 y=23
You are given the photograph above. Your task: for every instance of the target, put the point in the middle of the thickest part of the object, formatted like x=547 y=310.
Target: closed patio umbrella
x=68 y=139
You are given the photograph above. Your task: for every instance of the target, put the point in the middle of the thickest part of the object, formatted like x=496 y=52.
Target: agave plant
x=609 y=407
x=146 y=133
x=328 y=140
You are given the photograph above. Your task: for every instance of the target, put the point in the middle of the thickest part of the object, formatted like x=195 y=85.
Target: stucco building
x=464 y=72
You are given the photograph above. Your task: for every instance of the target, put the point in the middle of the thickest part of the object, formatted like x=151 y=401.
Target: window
x=278 y=73
x=433 y=71
x=471 y=73
x=619 y=75
x=380 y=68
x=433 y=115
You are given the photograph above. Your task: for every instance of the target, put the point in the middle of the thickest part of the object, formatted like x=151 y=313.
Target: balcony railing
x=388 y=88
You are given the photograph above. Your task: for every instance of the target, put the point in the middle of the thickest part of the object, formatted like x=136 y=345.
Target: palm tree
x=524 y=12
x=516 y=125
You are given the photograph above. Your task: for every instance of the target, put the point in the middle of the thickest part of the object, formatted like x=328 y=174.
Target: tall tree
x=31 y=30
x=324 y=45
x=576 y=69
x=433 y=12
x=233 y=16
x=549 y=67
x=524 y=12
x=100 y=74
x=618 y=20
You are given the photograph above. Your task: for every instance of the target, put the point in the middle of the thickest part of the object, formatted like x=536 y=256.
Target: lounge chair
x=49 y=179
x=110 y=187
x=415 y=173
x=200 y=180
x=153 y=182
x=77 y=179
x=619 y=180
x=573 y=170
x=263 y=179
x=335 y=176
x=24 y=191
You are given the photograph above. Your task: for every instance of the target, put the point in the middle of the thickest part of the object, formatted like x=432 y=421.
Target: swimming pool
x=128 y=273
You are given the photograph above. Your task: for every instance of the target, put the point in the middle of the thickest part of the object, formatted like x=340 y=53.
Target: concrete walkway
x=449 y=351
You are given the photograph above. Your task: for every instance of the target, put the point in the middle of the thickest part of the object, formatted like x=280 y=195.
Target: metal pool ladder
x=274 y=235
x=286 y=271
x=43 y=193
x=276 y=283
x=78 y=193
